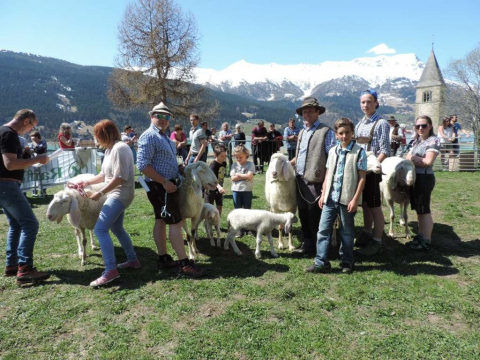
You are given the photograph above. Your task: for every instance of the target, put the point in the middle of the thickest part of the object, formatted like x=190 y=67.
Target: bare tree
x=157 y=56
x=464 y=94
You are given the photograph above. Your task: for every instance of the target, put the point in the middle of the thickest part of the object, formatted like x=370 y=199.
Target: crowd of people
x=331 y=181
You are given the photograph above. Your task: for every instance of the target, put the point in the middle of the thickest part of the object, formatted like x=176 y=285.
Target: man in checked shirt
x=372 y=133
x=157 y=159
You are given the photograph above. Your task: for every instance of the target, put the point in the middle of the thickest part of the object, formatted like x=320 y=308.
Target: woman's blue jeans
x=23 y=224
x=347 y=232
x=111 y=218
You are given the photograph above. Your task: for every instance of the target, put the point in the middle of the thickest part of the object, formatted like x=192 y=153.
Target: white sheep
x=190 y=196
x=211 y=218
x=82 y=212
x=280 y=191
x=261 y=221
x=398 y=175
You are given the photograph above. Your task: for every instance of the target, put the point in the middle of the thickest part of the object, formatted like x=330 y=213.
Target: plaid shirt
x=291 y=144
x=381 y=135
x=340 y=169
x=330 y=142
x=157 y=150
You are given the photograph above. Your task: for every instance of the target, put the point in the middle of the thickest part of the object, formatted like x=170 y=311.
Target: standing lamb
x=190 y=196
x=82 y=213
x=261 y=221
x=398 y=176
x=211 y=218
x=280 y=191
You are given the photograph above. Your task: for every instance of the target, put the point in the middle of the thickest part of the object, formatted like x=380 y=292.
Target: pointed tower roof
x=431 y=76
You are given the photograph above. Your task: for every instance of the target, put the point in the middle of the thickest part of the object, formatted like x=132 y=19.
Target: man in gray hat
x=157 y=159
x=314 y=142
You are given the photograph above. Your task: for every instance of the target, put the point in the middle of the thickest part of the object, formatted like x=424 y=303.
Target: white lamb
x=81 y=212
x=280 y=191
x=398 y=175
x=261 y=221
x=211 y=218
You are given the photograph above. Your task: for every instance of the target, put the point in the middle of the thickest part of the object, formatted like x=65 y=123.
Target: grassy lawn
x=398 y=305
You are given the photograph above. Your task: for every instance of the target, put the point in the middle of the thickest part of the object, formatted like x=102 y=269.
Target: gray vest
x=316 y=158
x=350 y=175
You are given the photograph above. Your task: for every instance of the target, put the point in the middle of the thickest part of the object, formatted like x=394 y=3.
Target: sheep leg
x=290 y=242
x=392 y=217
x=272 y=248
x=333 y=239
x=231 y=240
x=195 y=220
x=405 y=217
x=258 y=254
x=81 y=250
x=280 y=237
x=92 y=241
x=217 y=227
x=191 y=253
x=208 y=231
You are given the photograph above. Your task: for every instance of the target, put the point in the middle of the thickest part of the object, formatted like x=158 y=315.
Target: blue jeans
x=23 y=224
x=202 y=158
x=111 y=218
x=347 y=231
x=242 y=199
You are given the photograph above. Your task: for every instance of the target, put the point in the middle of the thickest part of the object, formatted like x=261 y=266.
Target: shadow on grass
x=402 y=260
x=217 y=262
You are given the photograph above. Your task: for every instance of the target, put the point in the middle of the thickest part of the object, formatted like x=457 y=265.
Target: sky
x=258 y=31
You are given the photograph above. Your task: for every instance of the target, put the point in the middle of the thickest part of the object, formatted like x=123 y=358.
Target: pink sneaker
x=107 y=276
x=130 y=265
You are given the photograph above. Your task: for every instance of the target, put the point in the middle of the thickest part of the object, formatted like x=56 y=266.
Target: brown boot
x=28 y=274
x=10 y=270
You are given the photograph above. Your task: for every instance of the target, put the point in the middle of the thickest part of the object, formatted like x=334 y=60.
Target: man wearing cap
x=396 y=135
x=198 y=139
x=157 y=159
x=372 y=133
x=314 y=142
x=291 y=135
x=23 y=225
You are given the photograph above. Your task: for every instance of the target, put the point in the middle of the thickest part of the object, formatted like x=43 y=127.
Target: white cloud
x=381 y=49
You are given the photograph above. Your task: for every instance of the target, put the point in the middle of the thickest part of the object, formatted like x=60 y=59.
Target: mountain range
x=60 y=91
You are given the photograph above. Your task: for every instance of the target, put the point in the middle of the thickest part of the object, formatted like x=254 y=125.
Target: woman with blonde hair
x=65 y=137
x=118 y=175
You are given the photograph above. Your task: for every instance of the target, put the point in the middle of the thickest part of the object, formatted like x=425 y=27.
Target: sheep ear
x=74 y=213
x=286 y=173
x=197 y=184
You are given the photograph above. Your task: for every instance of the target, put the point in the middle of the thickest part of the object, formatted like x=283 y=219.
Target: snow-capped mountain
x=277 y=82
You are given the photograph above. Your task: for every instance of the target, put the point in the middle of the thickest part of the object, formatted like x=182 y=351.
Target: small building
x=431 y=92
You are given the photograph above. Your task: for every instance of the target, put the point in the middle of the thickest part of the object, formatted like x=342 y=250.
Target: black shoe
x=346 y=268
x=166 y=262
x=304 y=251
x=325 y=269
x=363 y=239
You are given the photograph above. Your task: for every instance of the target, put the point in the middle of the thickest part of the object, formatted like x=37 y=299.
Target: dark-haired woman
x=424 y=151
x=118 y=175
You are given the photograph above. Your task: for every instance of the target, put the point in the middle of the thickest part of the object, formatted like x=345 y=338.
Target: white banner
x=60 y=169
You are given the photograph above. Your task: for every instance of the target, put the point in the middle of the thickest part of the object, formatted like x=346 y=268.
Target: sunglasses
x=421 y=126
x=162 y=116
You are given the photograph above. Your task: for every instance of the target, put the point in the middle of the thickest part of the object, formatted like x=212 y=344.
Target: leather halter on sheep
x=280 y=191
x=82 y=212
x=197 y=175
x=398 y=175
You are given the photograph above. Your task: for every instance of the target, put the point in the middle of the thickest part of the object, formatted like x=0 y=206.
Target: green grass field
x=398 y=305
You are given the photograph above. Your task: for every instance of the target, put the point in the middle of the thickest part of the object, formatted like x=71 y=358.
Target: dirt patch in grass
x=455 y=325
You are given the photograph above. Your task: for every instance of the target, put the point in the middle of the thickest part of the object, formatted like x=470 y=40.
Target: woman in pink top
x=180 y=139
x=65 y=139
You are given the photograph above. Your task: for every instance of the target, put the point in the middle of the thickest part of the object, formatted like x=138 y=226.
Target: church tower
x=430 y=93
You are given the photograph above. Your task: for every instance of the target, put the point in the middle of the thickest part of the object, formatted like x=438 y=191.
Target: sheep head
x=279 y=168
x=63 y=203
x=373 y=165
x=291 y=218
x=200 y=172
